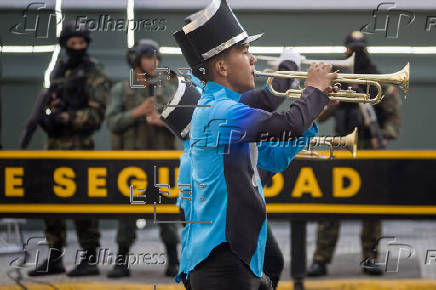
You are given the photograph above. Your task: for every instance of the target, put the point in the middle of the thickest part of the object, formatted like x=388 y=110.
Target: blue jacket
x=289 y=152
x=256 y=98
x=226 y=187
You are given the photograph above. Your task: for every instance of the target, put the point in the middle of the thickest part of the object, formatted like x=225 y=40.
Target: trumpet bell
x=403 y=78
x=348 y=142
x=351 y=142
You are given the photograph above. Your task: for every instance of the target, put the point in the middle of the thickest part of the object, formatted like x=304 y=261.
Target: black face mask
x=75 y=56
x=362 y=63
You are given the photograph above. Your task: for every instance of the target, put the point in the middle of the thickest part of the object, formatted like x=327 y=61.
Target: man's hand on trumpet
x=320 y=77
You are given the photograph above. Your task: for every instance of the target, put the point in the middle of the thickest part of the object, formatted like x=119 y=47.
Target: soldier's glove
x=265 y=283
x=50 y=122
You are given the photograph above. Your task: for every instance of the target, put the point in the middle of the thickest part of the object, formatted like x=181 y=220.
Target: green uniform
x=137 y=134
x=76 y=127
x=328 y=231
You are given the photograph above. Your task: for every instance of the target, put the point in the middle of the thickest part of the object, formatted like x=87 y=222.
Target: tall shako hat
x=189 y=18
x=211 y=31
x=178 y=116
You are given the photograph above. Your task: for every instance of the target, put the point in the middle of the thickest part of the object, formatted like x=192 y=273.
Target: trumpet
x=348 y=142
x=342 y=64
x=400 y=78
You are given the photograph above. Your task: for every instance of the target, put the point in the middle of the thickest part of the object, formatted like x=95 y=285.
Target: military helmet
x=355 y=39
x=142 y=47
x=71 y=29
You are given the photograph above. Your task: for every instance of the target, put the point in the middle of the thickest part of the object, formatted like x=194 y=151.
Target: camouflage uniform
x=76 y=129
x=328 y=231
x=131 y=134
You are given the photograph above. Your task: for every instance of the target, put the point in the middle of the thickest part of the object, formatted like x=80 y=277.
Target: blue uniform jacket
x=225 y=184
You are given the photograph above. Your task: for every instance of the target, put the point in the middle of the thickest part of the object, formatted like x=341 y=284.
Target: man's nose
x=253 y=59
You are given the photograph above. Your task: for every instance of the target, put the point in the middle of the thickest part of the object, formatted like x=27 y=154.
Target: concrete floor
x=419 y=235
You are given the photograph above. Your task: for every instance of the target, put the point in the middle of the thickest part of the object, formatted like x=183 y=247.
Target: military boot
x=52 y=265
x=369 y=267
x=121 y=267
x=119 y=271
x=87 y=266
x=317 y=269
x=173 y=260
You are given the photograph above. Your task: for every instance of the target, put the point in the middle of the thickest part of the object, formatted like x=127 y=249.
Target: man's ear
x=220 y=67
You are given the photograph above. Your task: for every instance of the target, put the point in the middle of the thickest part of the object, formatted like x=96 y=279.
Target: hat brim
x=251 y=38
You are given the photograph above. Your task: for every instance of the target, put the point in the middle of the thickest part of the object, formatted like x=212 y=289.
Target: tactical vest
x=76 y=89
x=142 y=135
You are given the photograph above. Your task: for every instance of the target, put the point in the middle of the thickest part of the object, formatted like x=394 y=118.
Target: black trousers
x=274 y=261
x=223 y=270
x=273 y=264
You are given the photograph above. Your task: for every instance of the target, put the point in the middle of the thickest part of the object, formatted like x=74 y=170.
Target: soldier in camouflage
x=73 y=111
x=136 y=125
x=376 y=124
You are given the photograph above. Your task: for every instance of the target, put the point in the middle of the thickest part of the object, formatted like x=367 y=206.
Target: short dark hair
x=204 y=70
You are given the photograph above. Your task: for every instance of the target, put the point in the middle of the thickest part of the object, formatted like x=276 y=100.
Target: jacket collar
x=218 y=91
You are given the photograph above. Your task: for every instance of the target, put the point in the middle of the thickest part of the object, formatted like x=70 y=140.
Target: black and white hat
x=177 y=114
x=211 y=31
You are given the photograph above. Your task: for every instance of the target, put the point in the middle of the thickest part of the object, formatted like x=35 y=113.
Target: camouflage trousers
x=86 y=229
x=328 y=233
x=127 y=233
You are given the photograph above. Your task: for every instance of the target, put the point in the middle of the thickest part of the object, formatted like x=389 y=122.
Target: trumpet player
x=376 y=124
x=260 y=99
x=229 y=253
